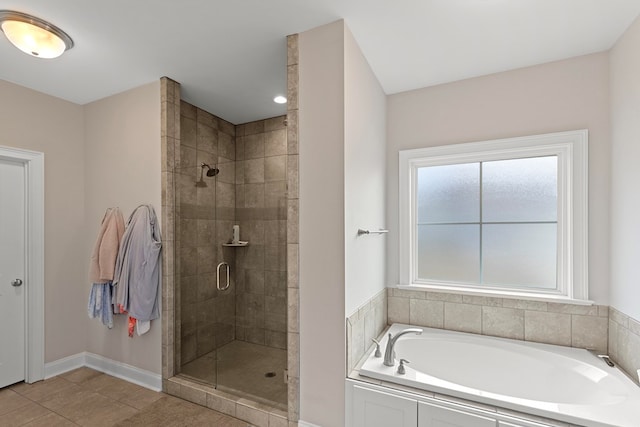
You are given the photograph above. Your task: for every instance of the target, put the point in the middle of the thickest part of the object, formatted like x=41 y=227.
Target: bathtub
x=562 y=383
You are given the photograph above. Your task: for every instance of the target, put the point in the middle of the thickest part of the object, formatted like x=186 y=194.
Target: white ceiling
x=230 y=56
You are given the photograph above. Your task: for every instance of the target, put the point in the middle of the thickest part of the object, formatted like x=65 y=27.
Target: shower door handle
x=226 y=265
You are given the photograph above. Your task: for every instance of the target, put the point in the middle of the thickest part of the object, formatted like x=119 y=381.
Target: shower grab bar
x=218 y=276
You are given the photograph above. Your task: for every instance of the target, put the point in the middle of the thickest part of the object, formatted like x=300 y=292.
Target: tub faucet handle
x=401 y=370
x=378 y=352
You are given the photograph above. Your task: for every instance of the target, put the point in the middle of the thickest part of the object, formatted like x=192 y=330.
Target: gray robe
x=138 y=277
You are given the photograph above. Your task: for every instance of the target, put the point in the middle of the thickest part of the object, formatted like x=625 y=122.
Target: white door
x=12 y=272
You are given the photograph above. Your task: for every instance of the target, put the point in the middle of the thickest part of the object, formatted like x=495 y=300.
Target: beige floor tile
x=122 y=391
x=90 y=408
x=88 y=398
x=102 y=382
x=10 y=401
x=208 y=419
x=142 y=398
x=106 y=414
x=18 y=387
x=42 y=389
x=63 y=397
x=81 y=375
x=169 y=411
x=23 y=414
x=231 y=422
x=50 y=420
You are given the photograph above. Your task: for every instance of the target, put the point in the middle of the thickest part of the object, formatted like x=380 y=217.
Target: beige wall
x=321 y=238
x=122 y=168
x=342 y=182
x=625 y=198
x=35 y=121
x=559 y=96
x=365 y=177
x=624 y=324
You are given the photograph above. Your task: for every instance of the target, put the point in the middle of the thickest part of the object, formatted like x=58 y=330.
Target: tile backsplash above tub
x=367 y=322
x=624 y=342
x=545 y=322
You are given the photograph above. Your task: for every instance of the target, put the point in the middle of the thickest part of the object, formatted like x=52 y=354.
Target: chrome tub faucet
x=389 y=353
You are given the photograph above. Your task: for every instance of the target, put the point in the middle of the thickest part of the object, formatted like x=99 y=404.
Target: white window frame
x=571 y=148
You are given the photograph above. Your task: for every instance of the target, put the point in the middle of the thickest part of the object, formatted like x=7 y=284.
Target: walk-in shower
x=231 y=337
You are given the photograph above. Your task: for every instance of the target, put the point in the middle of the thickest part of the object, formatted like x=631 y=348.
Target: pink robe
x=105 y=252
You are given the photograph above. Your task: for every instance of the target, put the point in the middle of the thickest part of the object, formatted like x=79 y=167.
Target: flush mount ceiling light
x=280 y=99
x=34 y=36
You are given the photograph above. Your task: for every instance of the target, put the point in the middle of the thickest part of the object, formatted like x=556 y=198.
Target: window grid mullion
x=488 y=223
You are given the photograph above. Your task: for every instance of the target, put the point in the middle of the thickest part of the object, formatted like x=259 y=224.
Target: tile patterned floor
x=87 y=397
x=242 y=369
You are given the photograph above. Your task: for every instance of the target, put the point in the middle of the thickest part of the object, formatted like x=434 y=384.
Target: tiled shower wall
x=250 y=191
x=261 y=212
x=206 y=209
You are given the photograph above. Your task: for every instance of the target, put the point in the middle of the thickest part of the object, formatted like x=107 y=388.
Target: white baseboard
x=114 y=368
x=306 y=424
x=63 y=365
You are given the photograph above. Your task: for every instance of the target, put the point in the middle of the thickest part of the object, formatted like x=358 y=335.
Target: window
x=505 y=217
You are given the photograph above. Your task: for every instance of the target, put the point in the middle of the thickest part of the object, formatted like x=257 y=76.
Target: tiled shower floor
x=245 y=369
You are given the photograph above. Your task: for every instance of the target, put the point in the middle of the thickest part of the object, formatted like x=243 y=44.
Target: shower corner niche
x=238 y=244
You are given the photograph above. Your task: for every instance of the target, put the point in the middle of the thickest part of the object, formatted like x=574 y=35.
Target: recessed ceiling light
x=34 y=36
x=280 y=99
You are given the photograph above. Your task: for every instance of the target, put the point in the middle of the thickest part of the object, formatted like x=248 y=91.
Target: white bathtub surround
x=372 y=404
x=582 y=326
x=624 y=342
x=367 y=322
x=565 y=384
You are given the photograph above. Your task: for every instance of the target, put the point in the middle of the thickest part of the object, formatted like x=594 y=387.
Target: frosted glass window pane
x=520 y=190
x=449 y=253
x=519 y=254
x=449 y=193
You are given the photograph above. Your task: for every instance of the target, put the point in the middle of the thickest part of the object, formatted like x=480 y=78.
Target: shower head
x=211 y=171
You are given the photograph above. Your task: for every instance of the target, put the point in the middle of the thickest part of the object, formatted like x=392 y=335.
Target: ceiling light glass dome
x=34 y=36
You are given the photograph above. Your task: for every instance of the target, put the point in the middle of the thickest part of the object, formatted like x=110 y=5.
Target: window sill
x=497 y=294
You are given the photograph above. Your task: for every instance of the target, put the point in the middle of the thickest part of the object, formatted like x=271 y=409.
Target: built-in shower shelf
x=236 y=245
